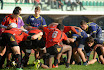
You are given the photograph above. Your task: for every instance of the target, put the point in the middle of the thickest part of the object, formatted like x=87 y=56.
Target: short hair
x=19 y=8
x=60 y=26
x=83 y=22
x=37 y=8
x=16 y=11
x=89 y=39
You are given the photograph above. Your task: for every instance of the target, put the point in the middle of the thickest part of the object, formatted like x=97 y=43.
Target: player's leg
x=68 y=50
x=82 y=55
x=2 y=56
x=15 y=48
x=76 y=56
x=102 y=49
x=101 y=57
x=26 y=56
x=75 y=53
x=92 y=61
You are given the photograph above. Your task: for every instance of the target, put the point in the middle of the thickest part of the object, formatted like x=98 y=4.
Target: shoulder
x=30 y=16
x=20 y=17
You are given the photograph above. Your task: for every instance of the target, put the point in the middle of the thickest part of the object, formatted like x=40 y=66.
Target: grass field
x=96 y=66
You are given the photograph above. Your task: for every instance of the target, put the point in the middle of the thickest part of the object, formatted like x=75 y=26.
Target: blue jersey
x=94 y=30
x=80 y=37
x=35 y=21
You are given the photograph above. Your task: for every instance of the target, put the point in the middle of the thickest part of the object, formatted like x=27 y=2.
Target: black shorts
x=8 y=40
x=53 y=50
x=33 y=44
x=98 y=50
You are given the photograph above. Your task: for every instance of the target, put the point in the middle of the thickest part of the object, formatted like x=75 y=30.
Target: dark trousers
x=81 y=5
x=1 y=4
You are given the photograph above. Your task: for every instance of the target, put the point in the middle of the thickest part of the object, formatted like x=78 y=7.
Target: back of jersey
x=54 y=35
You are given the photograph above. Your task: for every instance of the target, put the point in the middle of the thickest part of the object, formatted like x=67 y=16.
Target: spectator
x=36 y=3
x=81 y=5
x=73 y=4
x=48 y=3
x=21 y=1
x=53 y=3
x=26 y=1
x=16 y=1
x=68 y=3
x=32 y=1
x=1 y=4
x=60 y=4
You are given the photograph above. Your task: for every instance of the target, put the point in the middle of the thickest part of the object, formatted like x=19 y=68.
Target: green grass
x=96 y=66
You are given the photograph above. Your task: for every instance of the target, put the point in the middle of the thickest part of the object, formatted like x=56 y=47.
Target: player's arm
x=2 y=50
x=66 y=38
x=3 y=23
x=98 y=45
x=22 y=22
x=68 y=28
x=78 y=28
x=28 y=21
x=94 y=55
x=33 y=37
x=74 y=30
x=71 y=39
x=93 y=31
x=43 y=22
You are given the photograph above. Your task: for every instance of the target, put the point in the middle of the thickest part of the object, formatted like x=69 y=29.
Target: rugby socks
x=18 y=60
x=79 y=63
x=56 y=62
x=25 y=60
x=8 y=63
x=13 y=57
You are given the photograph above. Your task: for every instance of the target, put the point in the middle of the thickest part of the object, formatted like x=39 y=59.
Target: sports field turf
x=96 y=66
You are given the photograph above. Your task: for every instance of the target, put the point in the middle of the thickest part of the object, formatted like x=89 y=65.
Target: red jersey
x=54 y=36
x=34 y=30
x=68 y=28
x=53 y=26
x=9 y=19
x=18 y=34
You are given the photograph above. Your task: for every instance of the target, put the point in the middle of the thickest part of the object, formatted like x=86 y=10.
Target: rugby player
x=12 y=37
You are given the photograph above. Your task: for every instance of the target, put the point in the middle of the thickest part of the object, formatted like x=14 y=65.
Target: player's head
x=60 y=27
x=19 y=8
x=37 y=10
x=12 y=25
x=83 y=25
x=16 y=13
x=90 y=41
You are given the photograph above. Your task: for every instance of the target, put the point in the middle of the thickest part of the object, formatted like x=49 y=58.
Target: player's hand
x=79 y=29
x=79 y=33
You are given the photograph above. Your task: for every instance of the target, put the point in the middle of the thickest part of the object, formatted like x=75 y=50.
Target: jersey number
x=54 y=35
